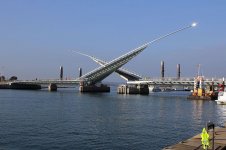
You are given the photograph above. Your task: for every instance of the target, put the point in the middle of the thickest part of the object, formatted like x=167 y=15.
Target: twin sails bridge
x=94 y=77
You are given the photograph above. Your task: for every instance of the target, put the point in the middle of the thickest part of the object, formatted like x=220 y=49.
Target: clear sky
x=36 y=37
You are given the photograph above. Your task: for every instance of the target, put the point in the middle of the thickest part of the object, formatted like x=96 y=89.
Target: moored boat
x=221 y=98
x=200 y=92
x=221 y=95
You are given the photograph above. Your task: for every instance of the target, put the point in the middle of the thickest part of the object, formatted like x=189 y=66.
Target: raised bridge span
x=97 y=75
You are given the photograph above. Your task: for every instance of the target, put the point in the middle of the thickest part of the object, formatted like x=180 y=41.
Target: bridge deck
x=158 y=82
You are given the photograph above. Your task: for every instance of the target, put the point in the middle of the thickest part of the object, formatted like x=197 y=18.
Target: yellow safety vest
x=205 y=139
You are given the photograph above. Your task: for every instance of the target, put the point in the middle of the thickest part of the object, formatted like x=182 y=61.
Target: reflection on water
x=70 y=120
x=221 y=113
x=197 y=110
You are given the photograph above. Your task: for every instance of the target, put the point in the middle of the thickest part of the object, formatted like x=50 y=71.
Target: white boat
x=221 y=97
x=154 y=89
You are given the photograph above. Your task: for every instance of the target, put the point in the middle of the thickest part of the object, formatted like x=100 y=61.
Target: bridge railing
x=180 y=79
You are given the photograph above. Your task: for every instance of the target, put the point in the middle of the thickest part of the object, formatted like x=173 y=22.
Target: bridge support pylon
x=93 y=88
x=141 y=89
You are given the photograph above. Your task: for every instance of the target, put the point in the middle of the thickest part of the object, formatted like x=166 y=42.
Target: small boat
x=201 y=91
x=221 y=98
x=221 y=95
x=154 y=89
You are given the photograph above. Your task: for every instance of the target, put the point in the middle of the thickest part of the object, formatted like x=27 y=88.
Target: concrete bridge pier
x=52 y=87
x=141 y=89
x=93 y=88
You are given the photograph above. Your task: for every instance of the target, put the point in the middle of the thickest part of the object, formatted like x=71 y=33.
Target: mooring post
x=210 y=125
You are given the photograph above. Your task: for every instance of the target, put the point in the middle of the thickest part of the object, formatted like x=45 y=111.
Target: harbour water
x=67 y=119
